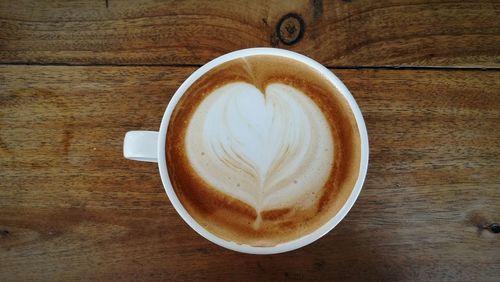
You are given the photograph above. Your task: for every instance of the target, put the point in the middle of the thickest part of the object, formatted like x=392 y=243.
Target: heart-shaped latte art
x=270 y=150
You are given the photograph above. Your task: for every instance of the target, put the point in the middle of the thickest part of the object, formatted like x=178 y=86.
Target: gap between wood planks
x=437 y=68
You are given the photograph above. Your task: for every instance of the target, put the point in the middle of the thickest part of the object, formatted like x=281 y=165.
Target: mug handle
x=141 y=146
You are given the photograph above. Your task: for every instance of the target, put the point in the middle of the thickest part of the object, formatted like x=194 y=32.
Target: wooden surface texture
x=76 y=75
x=72 y=207
x=336 y=33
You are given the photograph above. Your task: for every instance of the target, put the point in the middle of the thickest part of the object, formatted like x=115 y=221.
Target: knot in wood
x=290 y=29
x=495 y=228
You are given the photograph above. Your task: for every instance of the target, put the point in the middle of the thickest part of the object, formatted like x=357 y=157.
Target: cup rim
x=286 y=246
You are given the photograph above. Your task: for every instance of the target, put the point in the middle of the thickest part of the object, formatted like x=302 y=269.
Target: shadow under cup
x=218 y=185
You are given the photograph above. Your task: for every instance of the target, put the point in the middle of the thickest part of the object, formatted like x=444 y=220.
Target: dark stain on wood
x=493 y=227
x=293 y=275
x=66 y=140
x=319 y=265
x=290 y=28
x=274 y=40
x=204 y=251
x=259 y=265
x=478 y=220
x=317 y=9
x=265 y=22
x=4 y=233
x=7 y=99
x=4 y=147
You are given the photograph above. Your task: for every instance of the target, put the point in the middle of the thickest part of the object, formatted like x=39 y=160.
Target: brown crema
x=232 y=219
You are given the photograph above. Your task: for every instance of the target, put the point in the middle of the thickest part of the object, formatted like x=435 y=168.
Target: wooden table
x=76 y=75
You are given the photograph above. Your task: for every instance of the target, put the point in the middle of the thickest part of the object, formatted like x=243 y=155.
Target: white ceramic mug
x=149 y=146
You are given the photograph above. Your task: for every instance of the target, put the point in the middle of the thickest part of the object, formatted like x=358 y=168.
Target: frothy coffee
x=262 y=150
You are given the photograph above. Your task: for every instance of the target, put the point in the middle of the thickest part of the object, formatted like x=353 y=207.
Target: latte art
x=262 y=150
x=270 y=150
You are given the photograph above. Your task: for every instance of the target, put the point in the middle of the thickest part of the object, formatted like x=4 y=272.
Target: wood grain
x=336 y=33
x=72 y=208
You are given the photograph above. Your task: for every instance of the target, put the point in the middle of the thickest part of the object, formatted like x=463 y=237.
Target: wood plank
x=336 y=33
x=72 y=208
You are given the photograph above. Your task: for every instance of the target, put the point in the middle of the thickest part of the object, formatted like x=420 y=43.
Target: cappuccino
x=262 y=150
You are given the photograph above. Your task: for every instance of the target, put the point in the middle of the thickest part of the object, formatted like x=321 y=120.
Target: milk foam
x=270 y=151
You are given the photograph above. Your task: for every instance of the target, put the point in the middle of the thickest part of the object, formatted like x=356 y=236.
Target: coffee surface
x=262 y=150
